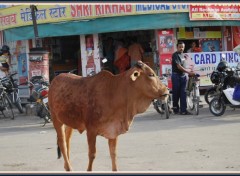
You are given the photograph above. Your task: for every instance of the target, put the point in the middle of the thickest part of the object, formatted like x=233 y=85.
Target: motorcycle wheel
x=166 y=109
x=190 y=100
x=158 y=106
x=196 y=106
x=217 y=107
x=169 y=105
x=47 y=119
x=19 y=105
x=209 y=95
x=6 y=103
x=43 y=113
x=16 y=101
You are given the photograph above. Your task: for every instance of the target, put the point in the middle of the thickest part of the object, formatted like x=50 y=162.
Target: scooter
x=217 y=105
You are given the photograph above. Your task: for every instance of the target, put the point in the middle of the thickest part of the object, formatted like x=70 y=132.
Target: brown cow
x=103 y=104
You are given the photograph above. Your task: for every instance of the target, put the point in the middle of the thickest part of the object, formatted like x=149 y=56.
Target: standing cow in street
x=103 y=104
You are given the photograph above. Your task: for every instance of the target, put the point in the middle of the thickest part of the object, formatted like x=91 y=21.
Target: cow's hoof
x=68 y=168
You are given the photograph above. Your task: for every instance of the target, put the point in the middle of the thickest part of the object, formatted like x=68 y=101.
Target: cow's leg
x=112 y=143
x=61 y=141
x=91 y=137
x=68 y=132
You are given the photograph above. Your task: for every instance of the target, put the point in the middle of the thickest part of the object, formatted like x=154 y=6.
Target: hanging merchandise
x=90 y=67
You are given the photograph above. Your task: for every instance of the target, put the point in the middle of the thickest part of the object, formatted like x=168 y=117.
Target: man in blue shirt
x=179 y=80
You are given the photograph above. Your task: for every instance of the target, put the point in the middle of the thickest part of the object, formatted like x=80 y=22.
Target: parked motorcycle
x=219 y=103
x=161 y=106
x=12 y=90
x=40 y=97
x=215 y=89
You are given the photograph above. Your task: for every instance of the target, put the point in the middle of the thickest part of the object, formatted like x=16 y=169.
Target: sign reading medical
x=21 y=15
x=214 y=12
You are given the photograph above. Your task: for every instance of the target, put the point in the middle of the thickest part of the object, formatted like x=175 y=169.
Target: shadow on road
x=204 y=119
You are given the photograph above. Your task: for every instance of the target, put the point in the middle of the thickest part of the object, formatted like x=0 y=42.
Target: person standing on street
x=179 y=80
x=135 y=51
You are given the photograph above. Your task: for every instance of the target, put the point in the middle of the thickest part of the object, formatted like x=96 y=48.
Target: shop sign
x=166 y=44
x=23 y=74
x=90 y=55
x=36 y=58
x=21 y=15
x=214 y=12
x=19 y=61
x=210 y=45
x=205 y=63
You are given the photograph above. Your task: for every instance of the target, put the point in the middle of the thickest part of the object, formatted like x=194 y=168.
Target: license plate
x=45 y=100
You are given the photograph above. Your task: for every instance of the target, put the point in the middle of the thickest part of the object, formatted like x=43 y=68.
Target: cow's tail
x=59 y=152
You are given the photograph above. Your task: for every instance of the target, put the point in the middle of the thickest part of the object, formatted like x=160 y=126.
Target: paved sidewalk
x=20 y=120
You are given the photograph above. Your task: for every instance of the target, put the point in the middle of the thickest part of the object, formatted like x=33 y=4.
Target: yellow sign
x=182 y=32
x=213 y=34
x=21 y=15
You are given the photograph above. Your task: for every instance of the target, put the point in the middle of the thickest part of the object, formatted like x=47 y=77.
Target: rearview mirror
x=238 y=65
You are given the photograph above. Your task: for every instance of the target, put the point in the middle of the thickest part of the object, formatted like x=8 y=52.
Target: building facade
x=75 y=35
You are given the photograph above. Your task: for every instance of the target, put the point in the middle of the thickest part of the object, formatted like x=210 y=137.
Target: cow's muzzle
x=164 y=97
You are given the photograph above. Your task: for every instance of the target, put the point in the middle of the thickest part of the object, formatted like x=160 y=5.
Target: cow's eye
x=151 y=75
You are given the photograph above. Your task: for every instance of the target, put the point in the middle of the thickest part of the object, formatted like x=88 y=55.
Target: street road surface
x=153 y=144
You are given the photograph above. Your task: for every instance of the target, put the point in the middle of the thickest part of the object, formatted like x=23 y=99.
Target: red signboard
x=214 y=12
x=166 y=48
x=165 y=39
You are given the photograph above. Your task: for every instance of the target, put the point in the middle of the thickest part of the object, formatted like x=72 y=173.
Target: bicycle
x=193 y=93
x=12 y=90
x=5 y=103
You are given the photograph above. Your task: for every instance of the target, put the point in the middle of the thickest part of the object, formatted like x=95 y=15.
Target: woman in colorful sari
x=122 y=60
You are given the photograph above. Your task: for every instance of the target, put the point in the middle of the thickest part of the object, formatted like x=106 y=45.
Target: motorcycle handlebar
x=12 y=74
x=32 y=84
x=26 y=83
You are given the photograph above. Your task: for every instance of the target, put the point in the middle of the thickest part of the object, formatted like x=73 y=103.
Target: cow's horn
x=139 y=64
x=135 y=75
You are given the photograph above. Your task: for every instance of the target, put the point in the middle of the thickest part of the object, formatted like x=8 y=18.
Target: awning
x=111 y=24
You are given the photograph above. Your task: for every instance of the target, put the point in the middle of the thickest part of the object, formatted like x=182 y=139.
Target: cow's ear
x=135 y=75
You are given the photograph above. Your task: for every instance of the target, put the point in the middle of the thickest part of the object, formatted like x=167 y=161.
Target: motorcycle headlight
x=215 y=77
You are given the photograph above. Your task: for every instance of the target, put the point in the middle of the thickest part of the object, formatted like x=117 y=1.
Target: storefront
x=75 y=35
x=146 y=38
x=64 y=54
